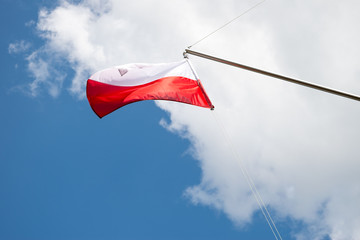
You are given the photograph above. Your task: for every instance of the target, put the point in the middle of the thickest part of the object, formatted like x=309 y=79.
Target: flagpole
x=274 y=75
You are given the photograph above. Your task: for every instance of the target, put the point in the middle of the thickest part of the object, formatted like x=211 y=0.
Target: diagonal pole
x=274 y=75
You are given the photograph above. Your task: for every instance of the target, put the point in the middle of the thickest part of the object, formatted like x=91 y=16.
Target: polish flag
x=112 y=88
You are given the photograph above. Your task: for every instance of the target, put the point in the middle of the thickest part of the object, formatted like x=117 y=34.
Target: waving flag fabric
x=112 y=88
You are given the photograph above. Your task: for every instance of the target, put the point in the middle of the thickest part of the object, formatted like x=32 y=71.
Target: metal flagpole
x=274 y=75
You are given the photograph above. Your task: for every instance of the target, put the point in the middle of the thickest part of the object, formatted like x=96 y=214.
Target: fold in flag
x=112 y=88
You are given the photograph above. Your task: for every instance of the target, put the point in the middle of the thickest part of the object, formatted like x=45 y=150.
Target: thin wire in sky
x=249 y=181
x=232 y=20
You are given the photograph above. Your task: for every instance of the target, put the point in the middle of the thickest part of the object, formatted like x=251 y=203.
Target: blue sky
x=65 y=174
x=160 y=170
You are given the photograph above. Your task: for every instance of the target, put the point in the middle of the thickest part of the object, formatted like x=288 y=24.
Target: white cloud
x=299 y=145
x=18 y=46
x=45 y=75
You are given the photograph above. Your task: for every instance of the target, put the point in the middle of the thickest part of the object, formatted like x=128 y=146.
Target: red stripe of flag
x=106 y=98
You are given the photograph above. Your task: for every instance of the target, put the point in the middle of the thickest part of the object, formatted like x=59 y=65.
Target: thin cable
x=247 y=176
x=250 y=182
x=227 y=23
